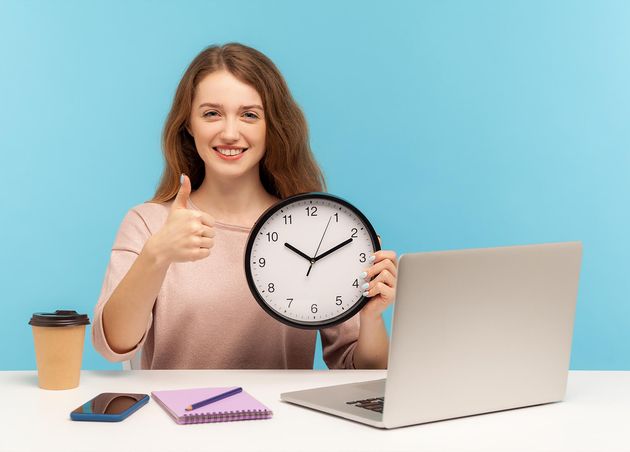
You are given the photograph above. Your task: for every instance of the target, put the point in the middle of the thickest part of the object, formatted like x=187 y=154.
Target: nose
x=230 y=130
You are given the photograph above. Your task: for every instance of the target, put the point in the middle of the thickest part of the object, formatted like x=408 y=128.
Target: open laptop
x=474 y=331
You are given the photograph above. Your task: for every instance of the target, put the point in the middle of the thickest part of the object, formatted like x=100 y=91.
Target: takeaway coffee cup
x=59 y=340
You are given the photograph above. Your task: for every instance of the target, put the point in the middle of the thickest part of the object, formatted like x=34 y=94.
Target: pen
x=213 y=399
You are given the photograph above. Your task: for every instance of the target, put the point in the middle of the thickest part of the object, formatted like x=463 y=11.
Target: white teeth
x=229 y=152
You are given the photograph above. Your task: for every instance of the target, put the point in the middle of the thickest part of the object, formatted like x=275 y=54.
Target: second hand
x=320 y=244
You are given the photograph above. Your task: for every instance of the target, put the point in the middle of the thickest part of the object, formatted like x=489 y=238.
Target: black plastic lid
x=59 y=318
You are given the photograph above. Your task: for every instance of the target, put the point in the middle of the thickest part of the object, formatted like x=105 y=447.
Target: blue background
x=450 y=124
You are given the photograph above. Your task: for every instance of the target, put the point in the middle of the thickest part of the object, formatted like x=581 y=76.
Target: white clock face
x=306 y=259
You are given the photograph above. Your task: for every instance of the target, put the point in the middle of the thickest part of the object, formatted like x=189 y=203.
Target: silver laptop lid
x=480 y=330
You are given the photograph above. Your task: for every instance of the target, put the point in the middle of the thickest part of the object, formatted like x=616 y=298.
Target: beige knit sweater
x=204 y=316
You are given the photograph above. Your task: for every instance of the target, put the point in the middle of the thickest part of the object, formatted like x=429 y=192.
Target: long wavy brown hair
x=288 y=166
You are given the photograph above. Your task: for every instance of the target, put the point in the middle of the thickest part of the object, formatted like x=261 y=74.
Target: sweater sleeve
x=131 y=237
x=339 y=342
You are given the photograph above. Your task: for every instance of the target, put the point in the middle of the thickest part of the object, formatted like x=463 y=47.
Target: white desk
x=595 y=416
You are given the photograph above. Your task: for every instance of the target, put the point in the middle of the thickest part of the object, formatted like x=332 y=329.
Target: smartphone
x=109 y=407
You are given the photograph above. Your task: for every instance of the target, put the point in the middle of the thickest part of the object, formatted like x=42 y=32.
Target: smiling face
x=227 y=123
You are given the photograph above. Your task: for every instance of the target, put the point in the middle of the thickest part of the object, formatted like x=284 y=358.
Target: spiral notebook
x=239 y=407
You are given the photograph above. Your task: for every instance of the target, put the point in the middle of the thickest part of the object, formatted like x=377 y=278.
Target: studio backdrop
x=450 y=124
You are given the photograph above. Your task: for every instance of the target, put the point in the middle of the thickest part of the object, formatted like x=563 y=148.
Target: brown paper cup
x=58 y=350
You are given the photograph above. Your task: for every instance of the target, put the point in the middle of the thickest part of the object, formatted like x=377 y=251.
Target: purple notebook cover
x=239 y=407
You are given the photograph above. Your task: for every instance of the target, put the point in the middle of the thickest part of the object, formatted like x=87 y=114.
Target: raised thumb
x=181 y=200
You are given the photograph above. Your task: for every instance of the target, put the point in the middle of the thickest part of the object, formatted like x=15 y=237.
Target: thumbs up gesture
x=187 y=235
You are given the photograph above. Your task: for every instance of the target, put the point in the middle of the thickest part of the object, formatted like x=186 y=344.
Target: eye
x=211 y=114
x=250 y=115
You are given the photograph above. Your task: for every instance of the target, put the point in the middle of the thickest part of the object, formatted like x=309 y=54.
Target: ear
x=187 y=126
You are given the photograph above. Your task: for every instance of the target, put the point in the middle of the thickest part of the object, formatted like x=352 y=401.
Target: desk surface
x=593 y=417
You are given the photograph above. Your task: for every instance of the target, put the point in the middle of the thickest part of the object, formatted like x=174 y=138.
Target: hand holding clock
x=380 y=283
x=373 y=343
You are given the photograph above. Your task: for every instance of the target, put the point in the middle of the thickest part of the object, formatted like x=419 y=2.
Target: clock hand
x=322 y=239
x=294 y=249
x=332 y=250
x=320 y=244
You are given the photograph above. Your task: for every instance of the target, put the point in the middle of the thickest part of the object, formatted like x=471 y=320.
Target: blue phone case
x=110 y=417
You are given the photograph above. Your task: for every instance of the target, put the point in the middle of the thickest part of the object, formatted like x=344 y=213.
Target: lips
x=227 y=154
x=229 y=151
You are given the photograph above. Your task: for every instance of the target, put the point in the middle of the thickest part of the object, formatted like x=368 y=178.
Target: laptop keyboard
x=374 y=404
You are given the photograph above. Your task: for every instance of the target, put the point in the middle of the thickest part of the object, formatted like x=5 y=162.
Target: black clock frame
x=250 y=243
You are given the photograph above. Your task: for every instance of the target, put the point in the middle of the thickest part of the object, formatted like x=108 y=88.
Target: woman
x=235 y=142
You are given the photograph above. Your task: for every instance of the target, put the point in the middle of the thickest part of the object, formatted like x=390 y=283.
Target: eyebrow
x=242 y=107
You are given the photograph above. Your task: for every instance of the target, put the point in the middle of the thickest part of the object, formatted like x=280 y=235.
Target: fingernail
x=365 y=286
x=363 y=275
x=366 y=294
x=372 y=258
x=181 y=179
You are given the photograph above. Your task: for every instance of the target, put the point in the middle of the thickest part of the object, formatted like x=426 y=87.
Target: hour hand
x=295 y=250
x=333 y=249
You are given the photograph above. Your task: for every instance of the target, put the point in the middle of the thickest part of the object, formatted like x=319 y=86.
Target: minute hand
x=332 y=250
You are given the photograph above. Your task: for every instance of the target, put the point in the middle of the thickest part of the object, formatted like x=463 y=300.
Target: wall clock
x=304 y=257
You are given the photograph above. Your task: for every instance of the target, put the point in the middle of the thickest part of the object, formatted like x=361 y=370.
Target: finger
x=201 y=253
x=385 y=277
x=205 y=242
x=205 y=218
x=385 y=254
x=375 y=269
x=382 y=289
x=207 y=231
x=181 y=200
